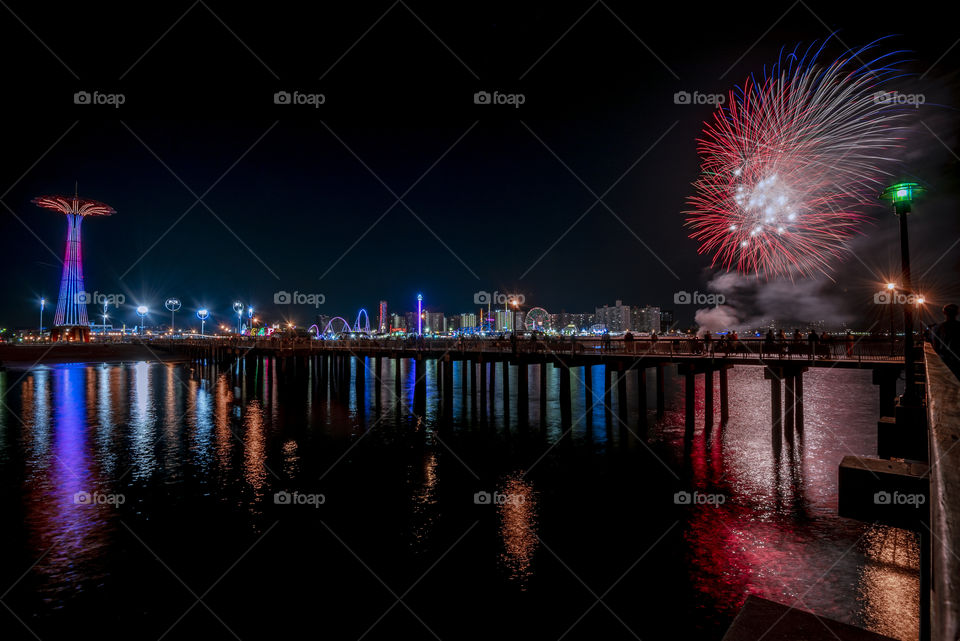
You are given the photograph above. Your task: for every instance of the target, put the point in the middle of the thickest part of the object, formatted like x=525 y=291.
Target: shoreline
x=28 y=356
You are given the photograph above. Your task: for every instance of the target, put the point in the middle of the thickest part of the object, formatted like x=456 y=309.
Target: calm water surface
x=151 y=500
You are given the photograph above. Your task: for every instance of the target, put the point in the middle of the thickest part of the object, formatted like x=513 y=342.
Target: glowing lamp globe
x=901 y=195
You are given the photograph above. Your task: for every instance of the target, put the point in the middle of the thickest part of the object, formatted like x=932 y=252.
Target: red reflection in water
x=774 y=531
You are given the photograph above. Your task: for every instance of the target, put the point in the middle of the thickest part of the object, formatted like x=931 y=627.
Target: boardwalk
x=862 y=352
x=784 y=364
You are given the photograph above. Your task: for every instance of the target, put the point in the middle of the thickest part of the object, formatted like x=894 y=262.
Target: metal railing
x=858 y=349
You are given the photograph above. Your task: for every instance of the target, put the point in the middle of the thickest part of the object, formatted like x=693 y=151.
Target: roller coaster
x=330 y=329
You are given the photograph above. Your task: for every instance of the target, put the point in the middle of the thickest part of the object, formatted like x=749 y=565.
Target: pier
x=784 y=365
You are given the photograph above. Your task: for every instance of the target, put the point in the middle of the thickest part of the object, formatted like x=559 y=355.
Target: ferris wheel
x=537 y=320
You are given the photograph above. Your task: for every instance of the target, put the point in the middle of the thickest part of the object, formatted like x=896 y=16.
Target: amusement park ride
x=70 y=322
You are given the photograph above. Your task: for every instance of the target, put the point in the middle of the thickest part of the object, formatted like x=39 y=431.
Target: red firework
x=790 y=166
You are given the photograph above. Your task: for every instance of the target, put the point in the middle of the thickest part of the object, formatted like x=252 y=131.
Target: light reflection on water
x=120 y=428
x=518 y=529
x=777 y=534
x=142 y=422
x=71 y=537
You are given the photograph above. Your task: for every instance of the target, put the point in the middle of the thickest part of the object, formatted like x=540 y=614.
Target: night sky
x=494 y=197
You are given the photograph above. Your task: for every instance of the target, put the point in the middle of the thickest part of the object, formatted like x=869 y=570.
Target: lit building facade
x=616 y=319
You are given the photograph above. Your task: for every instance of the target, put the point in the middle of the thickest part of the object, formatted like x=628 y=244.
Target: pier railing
x=858 y=349
x=943 y=418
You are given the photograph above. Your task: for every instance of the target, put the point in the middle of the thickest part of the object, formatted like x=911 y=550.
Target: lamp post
x=172 y=304
x=893 y=336
x=105 y=306
x=141 y=312
x=238 y=308
x=902 y=195
x=250 y=317
x=43 y=302
x=419 y=314
x=202 y=314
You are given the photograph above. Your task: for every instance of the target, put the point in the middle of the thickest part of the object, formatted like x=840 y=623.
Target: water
x=178 y=532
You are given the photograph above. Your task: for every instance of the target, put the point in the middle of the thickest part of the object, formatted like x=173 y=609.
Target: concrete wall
x=943 y=407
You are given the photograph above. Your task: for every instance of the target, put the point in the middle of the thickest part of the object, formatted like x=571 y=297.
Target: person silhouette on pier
x=945 y=338
x=769 y=342
x=813 y=340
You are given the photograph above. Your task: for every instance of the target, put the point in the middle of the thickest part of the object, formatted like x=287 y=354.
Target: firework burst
x=790 y=165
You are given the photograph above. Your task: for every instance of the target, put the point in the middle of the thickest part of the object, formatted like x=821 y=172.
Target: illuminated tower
x=70 y=322
x=419 y=314
x=384 y=320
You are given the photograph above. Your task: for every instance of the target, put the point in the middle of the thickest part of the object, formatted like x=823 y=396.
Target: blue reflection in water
x=69 y=529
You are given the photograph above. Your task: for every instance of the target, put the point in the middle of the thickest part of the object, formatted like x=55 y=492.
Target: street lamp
x=141 y=312
x=893 y=336
x=172 y=304
x=250 y=317
x=202 y=314
x=902 y=195
x=106 y=304
x=43 y=302
x=238 y=308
